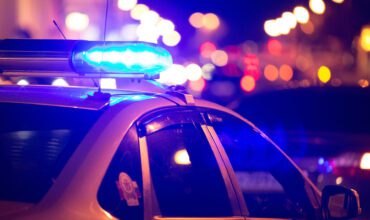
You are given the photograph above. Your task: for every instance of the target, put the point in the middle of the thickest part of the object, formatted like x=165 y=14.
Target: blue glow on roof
x=116 y=100
x=132 y=58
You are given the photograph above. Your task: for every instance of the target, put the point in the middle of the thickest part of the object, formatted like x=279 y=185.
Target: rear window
x=35 y=144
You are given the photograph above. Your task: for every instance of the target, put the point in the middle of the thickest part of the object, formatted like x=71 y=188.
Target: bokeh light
x=182 y=157
x=363 y=83
x=271 y=28
x=197 y=86
x=271 y=72
x=172 y=38
x=196 y=20
x=286 y=72
x=365 y=38
x=147 y=33
x=206 y=49
x=308 y=28
x=219 y=58
x=165 y=26
x=137 y=12
x=339 y=180
x=76 y=21
x=247 y=83
x=324 y=74
x=175 y=75
x=60 y=82
x=282 y=26
x=365 y=161
x=317 y=6
x=149 y=18
x=126 y=5
x=23 y=82
x=338 y=1
x=211 y=21
x=274 y=47
x=207 y=70
x=301 y=14
x=290 y=19
x=193 y=71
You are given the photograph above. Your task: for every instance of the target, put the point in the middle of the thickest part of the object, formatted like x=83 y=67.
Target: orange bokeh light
x=247 y=83
x=197 y=86
x=271 y=72
x=286 y=72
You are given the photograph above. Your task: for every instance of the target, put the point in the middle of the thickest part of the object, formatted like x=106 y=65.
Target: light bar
x=131 y=58
x=74 y=58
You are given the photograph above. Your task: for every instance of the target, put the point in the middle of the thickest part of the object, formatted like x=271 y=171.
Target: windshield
x=35 y=144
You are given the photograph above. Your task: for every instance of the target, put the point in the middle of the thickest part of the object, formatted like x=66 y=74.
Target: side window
x=271 y=185
x=185 y=174
x=120 y=193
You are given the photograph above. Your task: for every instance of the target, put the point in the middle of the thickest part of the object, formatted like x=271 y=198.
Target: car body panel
x=90 y=161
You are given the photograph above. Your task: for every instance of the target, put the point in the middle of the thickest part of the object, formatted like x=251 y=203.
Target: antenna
x=99 y=95
x=104 y=38
x=60 y=30
x=105 y=21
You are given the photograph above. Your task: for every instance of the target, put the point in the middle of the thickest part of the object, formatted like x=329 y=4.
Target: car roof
x=76 y=97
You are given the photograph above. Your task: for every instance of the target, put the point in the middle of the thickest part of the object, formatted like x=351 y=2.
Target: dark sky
x=245 y=18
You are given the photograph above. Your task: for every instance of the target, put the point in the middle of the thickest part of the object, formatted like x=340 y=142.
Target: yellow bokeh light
x=271 y=72
x=365 y=39
x=165 y=26
x=196 y=20
x=182 y=157
x=271 y=29
x=317 y=6
x=339 y=180
x=365 y=161
x=138 y=11
x=248 y=83
x=211 y=21
x=219 y=58
x=126 y=5
x=338 y=1
x=282 y=26
x=77 y=21
x=171 y=39
x=301 y=14
x=150 y=18
x=324 y=74
x=193 y=71
x=289 y=19
x=286 y=72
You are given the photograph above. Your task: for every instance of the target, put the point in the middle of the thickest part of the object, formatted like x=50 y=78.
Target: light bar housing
x=75 y=58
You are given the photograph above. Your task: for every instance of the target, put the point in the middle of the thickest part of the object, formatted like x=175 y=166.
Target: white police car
x=143 y=152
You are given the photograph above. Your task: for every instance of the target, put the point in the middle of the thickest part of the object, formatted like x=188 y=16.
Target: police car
x=144 y=151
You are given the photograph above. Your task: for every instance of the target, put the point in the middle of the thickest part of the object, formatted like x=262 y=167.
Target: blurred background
x=298 y=69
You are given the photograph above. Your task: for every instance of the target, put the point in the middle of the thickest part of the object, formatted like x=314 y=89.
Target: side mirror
x=339 y=202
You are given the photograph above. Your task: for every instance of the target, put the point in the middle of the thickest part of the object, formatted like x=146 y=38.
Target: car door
x=184 y=176
x=271 y=185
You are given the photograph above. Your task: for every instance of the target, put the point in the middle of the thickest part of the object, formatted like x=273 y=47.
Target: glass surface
x=35 y=144
x=271 y=185
x=186 y=177
x=120 y=201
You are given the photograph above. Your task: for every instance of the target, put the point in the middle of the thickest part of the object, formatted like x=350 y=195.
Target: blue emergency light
x=83 y=58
